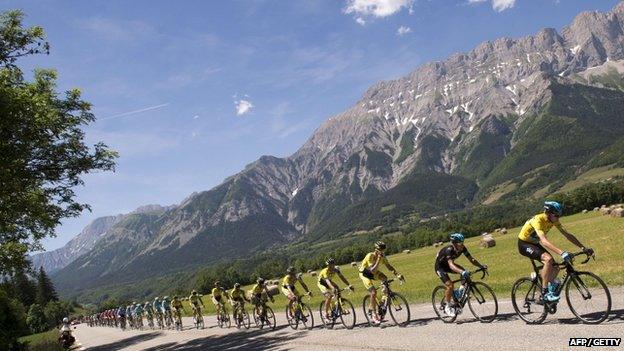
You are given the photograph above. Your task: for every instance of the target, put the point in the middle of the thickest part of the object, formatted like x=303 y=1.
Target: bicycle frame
x=569 y=273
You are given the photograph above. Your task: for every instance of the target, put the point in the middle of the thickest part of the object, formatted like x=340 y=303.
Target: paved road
x=425 y=332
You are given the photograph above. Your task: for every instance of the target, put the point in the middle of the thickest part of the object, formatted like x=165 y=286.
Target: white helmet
x=65 y=320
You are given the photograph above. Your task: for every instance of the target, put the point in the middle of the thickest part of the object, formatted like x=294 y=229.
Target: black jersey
x=449 y=253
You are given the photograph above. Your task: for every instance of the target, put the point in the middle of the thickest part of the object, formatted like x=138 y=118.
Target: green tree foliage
x=45 y=289
x=36 y=319
x=24 y=288
x=42 y=150
x=55 y=311
x=12 y=322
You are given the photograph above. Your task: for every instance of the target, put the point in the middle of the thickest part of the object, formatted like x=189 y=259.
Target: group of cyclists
x=532 y=243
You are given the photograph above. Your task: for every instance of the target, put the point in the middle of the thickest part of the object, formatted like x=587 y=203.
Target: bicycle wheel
x=256 y=318
x=269 y=317
x=292 y=321
x=399 y=310
x=227 y=322
x=246 y=320
x=347 y=313
x=307 y=318
x=526 y=296
x=327 y=322
x=238 y=318
x=482 y=302
x=368 y=313
x=438 y=300
x=588 y=297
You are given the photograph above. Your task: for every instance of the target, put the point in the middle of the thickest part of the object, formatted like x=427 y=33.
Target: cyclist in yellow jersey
x=532 y=243
x=369 y=271
x=217 y=296
x=176 y=304
x=195 y=300
x=289 y=289
x=259 y=294
x=327 y=286
x=238 y=295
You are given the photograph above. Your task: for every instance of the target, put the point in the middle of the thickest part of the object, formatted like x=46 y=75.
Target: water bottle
x=458 y=292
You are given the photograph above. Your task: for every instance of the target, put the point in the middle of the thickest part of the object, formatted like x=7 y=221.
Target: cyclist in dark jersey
x=445 y=264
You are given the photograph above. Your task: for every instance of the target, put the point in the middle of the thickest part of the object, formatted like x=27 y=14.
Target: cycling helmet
x=457 y=238
x=299 y=275
x=380 y=245
x=260 y=281
x=175 y=297
x=330 y=262
x=290 y=270
x=156 y=298
x=65 y=320
x=193 y=292
x=236 y=286
x=553 y=207
x=217 y=283
x=166 y=298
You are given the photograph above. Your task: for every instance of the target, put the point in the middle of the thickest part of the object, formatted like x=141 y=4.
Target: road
x=425 y=332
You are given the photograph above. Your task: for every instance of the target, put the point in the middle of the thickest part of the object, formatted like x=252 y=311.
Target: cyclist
x=138 y=314
x=259 y=293
x=289 y=289
x=195 y=300
x=445 y=264
x=533 y=243
x=165 y=307
x=129 y=316
x=217 y=297
x=149 y=311
x=238 y=295
x=176 y=304
x=327 y=286
x=121 y=314
x=369 y=271
x=157 y=305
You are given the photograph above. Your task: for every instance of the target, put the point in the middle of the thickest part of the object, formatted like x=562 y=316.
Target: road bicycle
x=178 y=319
x=198 y=318
x=480 y=297
x=263 y=316
x=240 y=315
x=223 y=318
x=150 y=320
x=340 y=308
x=159 y=320
x=391 y=302
x=168 y=319
x=587 y=295
x=300 y=313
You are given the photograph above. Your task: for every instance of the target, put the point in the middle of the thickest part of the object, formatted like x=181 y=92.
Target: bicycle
x=159 y=320
x=526 y=294
x=480 y=297
x=168 y=319
x=300 y=312
x=223 y=318
x=391 y=302
x=198 y=318
x=240 y=315
x=263 y=315
x=178 y=319
x=150 y=320
x=340 y=308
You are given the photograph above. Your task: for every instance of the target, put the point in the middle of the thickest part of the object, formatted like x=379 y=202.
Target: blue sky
x=189 y=92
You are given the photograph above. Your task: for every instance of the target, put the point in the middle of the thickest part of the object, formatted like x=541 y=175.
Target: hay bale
x=487 y=242
x=605 y=211
x=585 y=211
x=272 y=290
x=618 y=213
x=313 y=274
x=354 y=264
x=596 y=209
x=503 y=231
x=310 y=271
x=407 y=251
x=275 y=282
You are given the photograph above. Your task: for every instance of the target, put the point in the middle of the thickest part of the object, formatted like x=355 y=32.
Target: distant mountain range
x=511 y=119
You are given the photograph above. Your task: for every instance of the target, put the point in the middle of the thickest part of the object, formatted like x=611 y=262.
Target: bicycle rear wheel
x=368 y=313
x=438 y=300
x=307 y=318
x=269 y=317
x=246 y=320
x=347 y=313
x=588 y=297
x=399 y=310
x=327 y=322
x=292 y=321
x=482 y=302
x=526 y=296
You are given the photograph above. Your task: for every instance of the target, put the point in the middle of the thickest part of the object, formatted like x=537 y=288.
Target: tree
x=24 y=288
x=45 y=289
x=11 y=322
x=43 y=155
x=36 y=319
x=55 y=311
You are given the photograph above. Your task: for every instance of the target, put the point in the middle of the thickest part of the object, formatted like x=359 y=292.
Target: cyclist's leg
x=448 y=284
x=372 y=291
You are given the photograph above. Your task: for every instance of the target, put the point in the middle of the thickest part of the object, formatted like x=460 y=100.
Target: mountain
x=511 y=119
x=54 y=260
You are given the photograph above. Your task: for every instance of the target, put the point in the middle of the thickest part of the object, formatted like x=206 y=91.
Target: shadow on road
x=615 y=317
x=241 y=340
x=121 y=344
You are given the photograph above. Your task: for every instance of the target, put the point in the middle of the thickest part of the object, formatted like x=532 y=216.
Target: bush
x=36 y=319
x=12 y=323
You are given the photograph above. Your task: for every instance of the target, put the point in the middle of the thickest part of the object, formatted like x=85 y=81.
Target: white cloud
x=403 y=30
x=243 y=107
x=497 y=5
x=360 y=21
x=376 y=8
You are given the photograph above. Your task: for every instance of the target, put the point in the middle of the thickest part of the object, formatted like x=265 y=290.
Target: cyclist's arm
x=571 y=238
x=392 y=269
x=546 y=243
x=454 y=267
x=342 y=277
x=474 y=261
x=304 y=285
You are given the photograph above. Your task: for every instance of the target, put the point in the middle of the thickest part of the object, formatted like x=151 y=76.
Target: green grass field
x=46 y=341
x=602 y=233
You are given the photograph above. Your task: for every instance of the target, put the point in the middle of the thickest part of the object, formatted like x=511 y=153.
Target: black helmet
x=217 y=283
x=380 y=245
x=290 y=270
x=236 y=285
x=330 y=262
x=260 y=281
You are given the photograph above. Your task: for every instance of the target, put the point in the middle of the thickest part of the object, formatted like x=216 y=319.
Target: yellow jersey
x=176 y=303
x=289 y=280
x=325 y=273
x=370 y=260
x=539 y=223
x=237 y=294
x=257 y=289
x=194 y=299
x=216 y=292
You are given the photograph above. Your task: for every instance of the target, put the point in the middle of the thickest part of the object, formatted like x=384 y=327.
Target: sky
x=189 y=92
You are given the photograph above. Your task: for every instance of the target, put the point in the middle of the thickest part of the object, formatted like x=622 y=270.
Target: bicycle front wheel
x=588 y=297
x=399 y=309
x=368 y=313
x=269 y=317
x=347 y=313
x=482 y=302
x=438 y=300
x=526 y=296
x=327 y=322
x=307 y=318
x=292 y=321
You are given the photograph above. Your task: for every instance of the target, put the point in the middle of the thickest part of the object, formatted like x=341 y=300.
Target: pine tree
x=24 y=288
x=45 y=289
